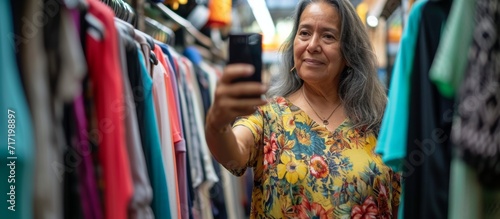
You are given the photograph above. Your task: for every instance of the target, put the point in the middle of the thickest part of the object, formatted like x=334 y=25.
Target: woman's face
x=316 y=46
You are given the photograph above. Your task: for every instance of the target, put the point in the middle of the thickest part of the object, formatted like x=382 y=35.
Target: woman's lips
x=312 y=61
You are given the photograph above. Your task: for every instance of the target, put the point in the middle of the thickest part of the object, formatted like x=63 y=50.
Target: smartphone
x=247 y=48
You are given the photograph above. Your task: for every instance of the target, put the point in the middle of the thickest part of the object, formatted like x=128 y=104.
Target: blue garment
x=152 y=148
x=393 y=134
x=17 y=160
x=192 y=54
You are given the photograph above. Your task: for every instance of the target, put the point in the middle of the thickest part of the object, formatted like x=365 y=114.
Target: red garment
x=172 y=104
x=107 y=85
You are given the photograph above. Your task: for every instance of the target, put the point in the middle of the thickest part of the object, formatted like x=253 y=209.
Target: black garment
x=477 y=130
x=71 y=198
x=203 y=83
x=217 y=195
x=135 y=80
x=429 y=125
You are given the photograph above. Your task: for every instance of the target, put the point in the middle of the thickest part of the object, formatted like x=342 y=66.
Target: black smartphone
x=247 y=48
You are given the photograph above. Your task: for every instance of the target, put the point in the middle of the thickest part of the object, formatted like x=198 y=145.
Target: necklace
x=325 y=121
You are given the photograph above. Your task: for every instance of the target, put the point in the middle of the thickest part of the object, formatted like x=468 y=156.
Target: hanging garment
x=208 y=170
x=392 y=137
x=91 y=202
x=172 y=104
x=193 y=142
x=450 y=62
x=193 y=139
x=85 y=169
x=140 y=205
x=226 y=201
x=468 y=197
x=465 y=191
x=146 y=117
x=67 y=76
x=107 y=85
x=477 y=128
x=199 y=114
x=217 y=191
x=34 y=69
x=146 y=50
x=16 y=131
x=72 y=200
x=428 y=156
x=180 y=147
x=167 y=147
x=180 y=166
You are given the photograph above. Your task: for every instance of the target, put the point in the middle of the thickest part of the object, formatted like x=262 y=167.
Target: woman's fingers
x=235 y=99
x=235 y=71
x=232 y=107
x=243 y=90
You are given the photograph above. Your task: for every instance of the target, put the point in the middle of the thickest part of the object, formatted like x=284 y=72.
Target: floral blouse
x=303 y=170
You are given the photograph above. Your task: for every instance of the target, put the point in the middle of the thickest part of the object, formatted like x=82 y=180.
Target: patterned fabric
x=303 y=170
x=476 y=132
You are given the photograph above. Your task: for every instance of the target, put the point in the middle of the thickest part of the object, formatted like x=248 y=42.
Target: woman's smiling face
x=317 y=54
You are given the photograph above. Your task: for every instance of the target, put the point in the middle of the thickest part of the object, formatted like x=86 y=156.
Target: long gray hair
x=360 y=90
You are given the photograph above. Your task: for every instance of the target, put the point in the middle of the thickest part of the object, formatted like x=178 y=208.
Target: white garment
x=210 y=174
x=167 y=147
x=212 y=79
x=232 y=186
x=200 y=125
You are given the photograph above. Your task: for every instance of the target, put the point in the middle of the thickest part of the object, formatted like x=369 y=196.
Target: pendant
x=325 y=122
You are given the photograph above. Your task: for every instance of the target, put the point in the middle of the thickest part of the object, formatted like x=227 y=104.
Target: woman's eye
x=303 y=33
x=328 y=36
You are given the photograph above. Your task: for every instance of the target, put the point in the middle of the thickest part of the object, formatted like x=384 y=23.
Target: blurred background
x=384 y=20
x=103 y=105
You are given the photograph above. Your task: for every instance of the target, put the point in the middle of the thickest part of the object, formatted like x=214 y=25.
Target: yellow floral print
x=291 y=169
x=303 y=170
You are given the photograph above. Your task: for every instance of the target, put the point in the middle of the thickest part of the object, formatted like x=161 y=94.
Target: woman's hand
x=234 y=99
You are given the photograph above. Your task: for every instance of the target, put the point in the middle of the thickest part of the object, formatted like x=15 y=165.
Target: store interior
x=438 y=61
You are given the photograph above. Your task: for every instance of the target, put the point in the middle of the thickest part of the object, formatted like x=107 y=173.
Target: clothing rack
x=123 y=11
x=206 y=41
x=163 y=31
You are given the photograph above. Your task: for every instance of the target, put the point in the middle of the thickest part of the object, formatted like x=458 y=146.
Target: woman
x=312 y=144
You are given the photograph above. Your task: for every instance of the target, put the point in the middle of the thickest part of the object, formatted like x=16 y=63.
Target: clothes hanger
x=152 y=57
x=166 y=35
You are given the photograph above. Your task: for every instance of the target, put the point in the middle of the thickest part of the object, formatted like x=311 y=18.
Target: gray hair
x=360 y=90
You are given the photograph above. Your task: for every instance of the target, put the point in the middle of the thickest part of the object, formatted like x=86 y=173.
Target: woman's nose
x=314 y=44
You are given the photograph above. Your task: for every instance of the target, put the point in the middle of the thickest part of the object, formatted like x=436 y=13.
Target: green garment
x=450 y=61
x=16 y=150
x=467 y=198
x=152 y=149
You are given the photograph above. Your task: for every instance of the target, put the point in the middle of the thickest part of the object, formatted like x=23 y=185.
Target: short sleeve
x=254 y=123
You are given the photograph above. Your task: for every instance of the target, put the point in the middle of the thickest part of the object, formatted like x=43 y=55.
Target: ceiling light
x=263 y=18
